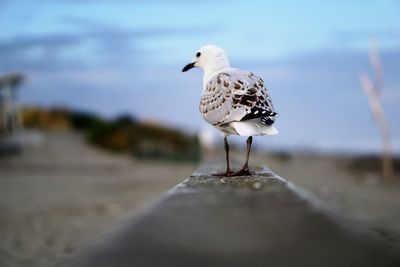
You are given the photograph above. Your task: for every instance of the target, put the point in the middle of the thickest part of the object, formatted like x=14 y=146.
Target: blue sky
x=115 y=57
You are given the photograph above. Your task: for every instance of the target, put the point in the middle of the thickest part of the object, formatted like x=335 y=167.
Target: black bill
x=188 y=67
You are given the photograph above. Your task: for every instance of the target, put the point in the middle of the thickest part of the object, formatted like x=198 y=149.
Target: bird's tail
x=253 y=127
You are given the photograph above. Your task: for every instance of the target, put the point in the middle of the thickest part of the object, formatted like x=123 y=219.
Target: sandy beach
x=61 y=195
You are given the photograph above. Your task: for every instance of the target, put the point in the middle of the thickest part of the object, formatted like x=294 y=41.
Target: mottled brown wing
x=235 y=95
x=263 y=108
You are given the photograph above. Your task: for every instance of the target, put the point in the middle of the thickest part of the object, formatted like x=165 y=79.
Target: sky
x=125 y=57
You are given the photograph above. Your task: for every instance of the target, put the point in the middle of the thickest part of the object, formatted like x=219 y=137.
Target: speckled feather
x=236 y=95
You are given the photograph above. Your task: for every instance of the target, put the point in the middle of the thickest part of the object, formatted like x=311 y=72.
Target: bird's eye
x=198 y=54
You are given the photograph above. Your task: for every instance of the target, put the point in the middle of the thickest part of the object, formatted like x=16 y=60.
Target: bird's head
x=209 y=58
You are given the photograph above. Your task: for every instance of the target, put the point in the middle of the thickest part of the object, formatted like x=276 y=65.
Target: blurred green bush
x=123 y=134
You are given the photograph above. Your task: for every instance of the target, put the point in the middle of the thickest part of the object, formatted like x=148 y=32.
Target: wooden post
x=257 y=220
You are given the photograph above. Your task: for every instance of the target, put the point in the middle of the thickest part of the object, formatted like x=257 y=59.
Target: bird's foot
x=228 y=173
x=242 y=172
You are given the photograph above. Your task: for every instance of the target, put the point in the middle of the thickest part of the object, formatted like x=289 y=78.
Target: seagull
x=234 y=101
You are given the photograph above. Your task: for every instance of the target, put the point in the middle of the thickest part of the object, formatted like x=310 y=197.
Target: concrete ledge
x=260 y=220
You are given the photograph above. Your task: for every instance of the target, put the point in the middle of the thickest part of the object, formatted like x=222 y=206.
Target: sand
x=61 y=195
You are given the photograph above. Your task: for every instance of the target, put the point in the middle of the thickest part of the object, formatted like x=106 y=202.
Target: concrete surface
x=260 y=220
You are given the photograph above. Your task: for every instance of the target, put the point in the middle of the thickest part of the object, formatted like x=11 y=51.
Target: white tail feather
x=253 y=127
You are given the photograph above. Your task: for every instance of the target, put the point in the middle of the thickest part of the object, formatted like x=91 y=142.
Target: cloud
x=38 y=52
x=348 y=37
x=101 y=42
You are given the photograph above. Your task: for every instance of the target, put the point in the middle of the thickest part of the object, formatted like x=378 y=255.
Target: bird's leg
x=245 y=168
x=248 y=149
x=228 y=169
x=226 y=145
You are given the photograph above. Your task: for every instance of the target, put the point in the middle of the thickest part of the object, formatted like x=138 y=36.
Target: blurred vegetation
x=370 y=164
x=282 y=156
x=123 y=134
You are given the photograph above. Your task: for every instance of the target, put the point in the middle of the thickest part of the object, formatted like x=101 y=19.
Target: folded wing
x=236 y=95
